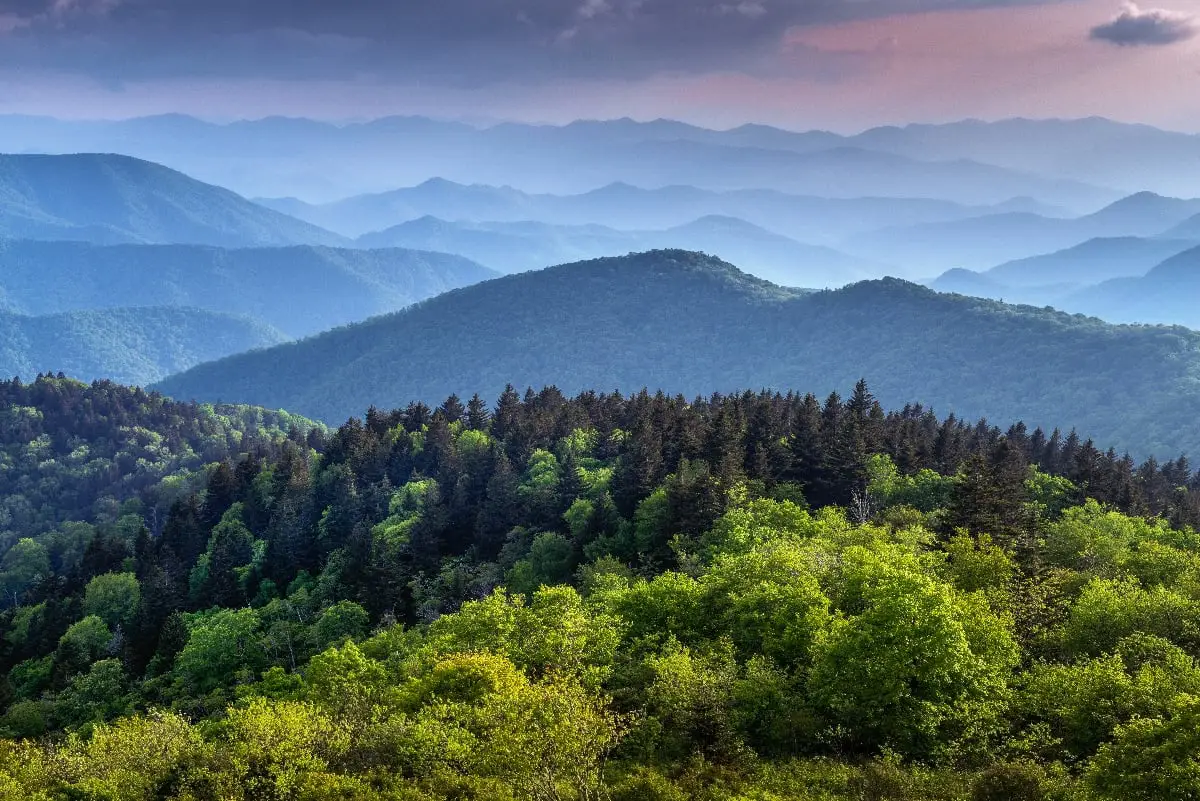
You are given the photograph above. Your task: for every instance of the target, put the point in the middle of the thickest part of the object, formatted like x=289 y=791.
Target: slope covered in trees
x=130 y=345
x=689 y=323
x=299 y=290
x=108 y=198
x=750 y=596
x=77 y=452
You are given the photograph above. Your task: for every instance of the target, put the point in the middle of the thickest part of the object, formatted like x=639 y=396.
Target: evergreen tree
x=478 y=415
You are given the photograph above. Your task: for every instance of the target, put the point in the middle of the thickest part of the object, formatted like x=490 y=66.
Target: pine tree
x=452 y=409
x=221 y=493
x=478 y=415
x=500 y=509
x=990 y=496
x=640 y=468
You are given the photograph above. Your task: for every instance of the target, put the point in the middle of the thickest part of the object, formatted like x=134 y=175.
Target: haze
x=794 y=63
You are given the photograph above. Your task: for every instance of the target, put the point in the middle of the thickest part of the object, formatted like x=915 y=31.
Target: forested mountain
x=644 y=599
x=689 y=323
x=623 y=206
x=521 y=246
x=90 y=453
x=108 y=199
x=131 y=345
x=299 y=290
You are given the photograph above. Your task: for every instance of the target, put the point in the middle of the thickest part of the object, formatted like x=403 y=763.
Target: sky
x=838 y=64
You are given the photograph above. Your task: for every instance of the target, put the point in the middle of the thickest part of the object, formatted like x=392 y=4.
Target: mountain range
x=968 y=162
x=1166 y=294
x=981 y=242
x=515 y=247
x=127 y=345
x=692 y=324
x=110 y=199
x=807 y=218
x=298 y=290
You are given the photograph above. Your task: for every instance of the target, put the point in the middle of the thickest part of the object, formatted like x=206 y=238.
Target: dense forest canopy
x=749 y=596
x=690 y=323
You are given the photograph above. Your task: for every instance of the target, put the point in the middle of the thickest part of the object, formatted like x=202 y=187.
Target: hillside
x=693 y=324
x=109 y=199
x=299 y=290
x=83 y=449
x=520 y=246
x=128 y=345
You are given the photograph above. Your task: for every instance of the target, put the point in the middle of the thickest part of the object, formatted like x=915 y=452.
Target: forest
x=750 y=596
x=640 y=320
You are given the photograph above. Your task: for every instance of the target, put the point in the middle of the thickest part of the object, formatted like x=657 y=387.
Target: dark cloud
x=461 y=42
x=1136 y=26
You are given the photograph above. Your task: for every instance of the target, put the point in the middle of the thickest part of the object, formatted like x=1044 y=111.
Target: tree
x=344 y=620
x=918 y=668
x=478 y=415
x=1152 y=759
x=24 y=564
x=223 y=647
x=114 y=598
x=82 y=644
x=989 y=497
x=274 y=747
x=100 y=694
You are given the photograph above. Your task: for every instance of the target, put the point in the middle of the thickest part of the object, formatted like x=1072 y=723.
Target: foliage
x=751 y=597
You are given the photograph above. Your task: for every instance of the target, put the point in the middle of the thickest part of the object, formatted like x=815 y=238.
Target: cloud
x=447 y=42
x=1136 y=26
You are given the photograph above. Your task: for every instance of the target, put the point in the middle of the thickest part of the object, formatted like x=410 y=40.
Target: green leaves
x=113 y=597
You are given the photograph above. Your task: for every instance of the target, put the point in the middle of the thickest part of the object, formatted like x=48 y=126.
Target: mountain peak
x=108 y=198
x=674 y=264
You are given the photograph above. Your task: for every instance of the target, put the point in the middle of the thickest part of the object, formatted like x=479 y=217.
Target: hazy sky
x=843 y=64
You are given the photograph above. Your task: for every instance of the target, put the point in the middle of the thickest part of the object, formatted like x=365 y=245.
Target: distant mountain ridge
x=967 y=162
x=299 y=290
x=979 y=243
x=520 y=246
x=625 y=206
x=127 y=345
x=1091 y=262
x=1169 y=293
x=693 y=324
x=109 y=199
